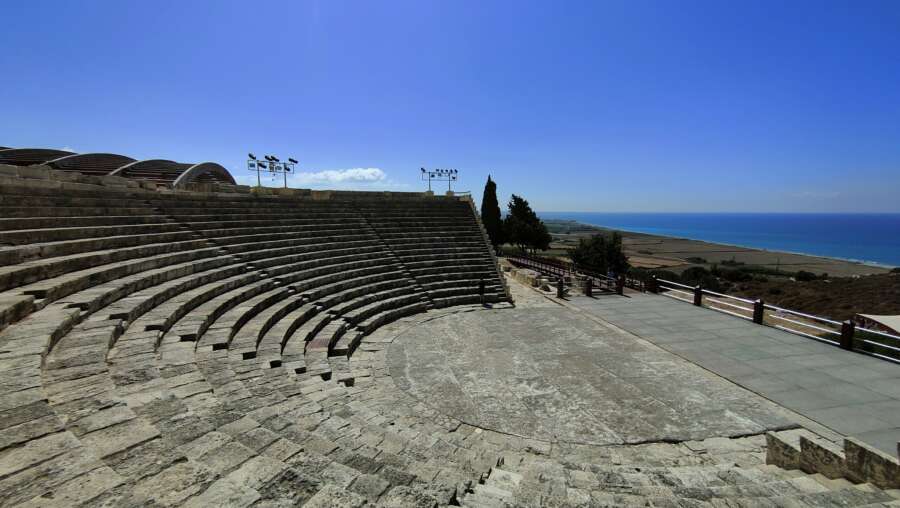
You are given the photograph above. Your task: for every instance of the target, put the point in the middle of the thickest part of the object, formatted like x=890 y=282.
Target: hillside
x=837 y=298
x=850 y=287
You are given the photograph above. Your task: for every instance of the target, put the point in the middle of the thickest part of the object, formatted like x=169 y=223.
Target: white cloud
x=68 y=149
x=338 y=176
x=363 y=179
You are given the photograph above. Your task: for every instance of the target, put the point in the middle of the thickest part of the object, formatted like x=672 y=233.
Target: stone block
x=113 y=181
x=781 y=452
x=65 y=176
x=36 y=172
x=370 y=486
x=7 y=170
x=331 y=496
x=821 y=456
x=867 y=464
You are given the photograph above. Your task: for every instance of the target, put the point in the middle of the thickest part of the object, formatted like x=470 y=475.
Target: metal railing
x=561 y=268
x=543 y=265
x=844 y=334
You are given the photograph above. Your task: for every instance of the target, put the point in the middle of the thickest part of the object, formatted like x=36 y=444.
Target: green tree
x=490 y=213
x=523 y=227
x=601 y=253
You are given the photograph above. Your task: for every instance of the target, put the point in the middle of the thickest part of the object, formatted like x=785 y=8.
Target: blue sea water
x=870 y=238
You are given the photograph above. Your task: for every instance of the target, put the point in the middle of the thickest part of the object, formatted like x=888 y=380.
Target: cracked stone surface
x=549 y=374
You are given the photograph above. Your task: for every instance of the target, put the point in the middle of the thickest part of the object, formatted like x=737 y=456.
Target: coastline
x=873 y=264
x=672 y=252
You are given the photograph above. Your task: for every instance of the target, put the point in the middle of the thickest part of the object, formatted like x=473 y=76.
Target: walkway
x=850 y=393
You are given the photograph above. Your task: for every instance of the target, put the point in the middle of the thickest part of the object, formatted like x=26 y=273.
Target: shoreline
x=673 y=252
x=873 y=264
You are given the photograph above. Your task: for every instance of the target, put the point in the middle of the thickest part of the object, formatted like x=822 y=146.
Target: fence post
x=560 y=290
x=589 y=287
x=698 y=295
x=758 y=307
x=620 y=285
x=481 y=289
x=847 y=330
x=654 y=284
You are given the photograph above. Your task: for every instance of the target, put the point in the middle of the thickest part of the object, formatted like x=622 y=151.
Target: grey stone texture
x=162 y=348
x=850 y=393
x=553 y=375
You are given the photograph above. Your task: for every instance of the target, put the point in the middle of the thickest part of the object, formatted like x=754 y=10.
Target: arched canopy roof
x=91 y=163
x=164 y=171
x=29 y=156
x=204 y=172
x=161 y=170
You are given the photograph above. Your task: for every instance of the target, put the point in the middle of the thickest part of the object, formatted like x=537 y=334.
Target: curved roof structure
x=152 y=169
x=29 y=156
x=204 y=172
x=163 y=171
x=91 y=163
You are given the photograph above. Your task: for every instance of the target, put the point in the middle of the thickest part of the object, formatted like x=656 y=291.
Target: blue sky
x=578 y=106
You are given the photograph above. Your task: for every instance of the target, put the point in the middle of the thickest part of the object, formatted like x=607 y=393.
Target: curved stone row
x=223 y=350
x=120 y=306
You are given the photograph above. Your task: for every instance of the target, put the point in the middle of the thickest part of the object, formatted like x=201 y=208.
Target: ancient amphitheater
x=168 y=338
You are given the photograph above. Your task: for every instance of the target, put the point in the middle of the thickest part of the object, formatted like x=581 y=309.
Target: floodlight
x=292 y=161
x=251 y=156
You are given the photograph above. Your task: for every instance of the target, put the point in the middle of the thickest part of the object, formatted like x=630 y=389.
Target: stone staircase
x=592 y=485
x=186 y=349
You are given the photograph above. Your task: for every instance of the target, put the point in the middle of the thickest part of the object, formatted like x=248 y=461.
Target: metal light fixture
x=441 y=174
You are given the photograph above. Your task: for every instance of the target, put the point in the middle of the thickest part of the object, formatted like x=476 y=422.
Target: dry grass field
x=850 y=287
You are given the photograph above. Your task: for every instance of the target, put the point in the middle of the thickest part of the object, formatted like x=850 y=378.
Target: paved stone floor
x=547 y=372
x=850 y=393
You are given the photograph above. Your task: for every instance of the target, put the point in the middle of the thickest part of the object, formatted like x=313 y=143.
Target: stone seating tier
x=240 y=361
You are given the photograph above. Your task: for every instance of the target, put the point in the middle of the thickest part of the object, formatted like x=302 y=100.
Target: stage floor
x=553 y=374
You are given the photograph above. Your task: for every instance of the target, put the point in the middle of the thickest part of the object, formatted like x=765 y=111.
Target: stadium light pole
x=440 y=174
x=255 y=163
x=273 y=163
x=429 y=178
x=289 y=166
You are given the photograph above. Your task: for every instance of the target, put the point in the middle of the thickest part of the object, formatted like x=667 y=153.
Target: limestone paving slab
x=838 y=389
x=550 y=374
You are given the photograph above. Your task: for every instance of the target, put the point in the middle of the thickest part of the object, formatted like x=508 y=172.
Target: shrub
x=600 y=253
x=738 y=275
x=523 y=228
x=895 y=270
x=804 y=276
x=696 y=260
x=699 y=275
x=775 y=291
x=694 y=275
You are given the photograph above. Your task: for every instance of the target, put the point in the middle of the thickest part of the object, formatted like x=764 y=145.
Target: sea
x=866 y=238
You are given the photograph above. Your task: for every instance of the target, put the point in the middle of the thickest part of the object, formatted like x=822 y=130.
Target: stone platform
x=553 y=375
x=849 y=393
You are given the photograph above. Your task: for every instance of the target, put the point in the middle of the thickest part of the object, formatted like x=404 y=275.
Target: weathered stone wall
x=856 y=461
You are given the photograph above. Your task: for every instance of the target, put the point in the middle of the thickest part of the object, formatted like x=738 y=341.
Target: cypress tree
x=490 y=213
